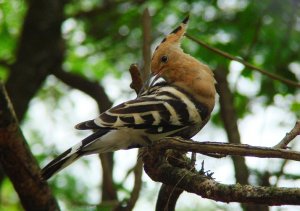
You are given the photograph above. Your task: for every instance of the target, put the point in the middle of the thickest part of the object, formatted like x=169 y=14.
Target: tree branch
x=19 y=164
x=159 y=169
x=138 y=79
x=226 y=149
x=167 y=197
x=5 y=63
x=39 y=51
x=91 y=88
x=146 y=23
x=109 y=192
x=289 y=137
x=169 y=194
x=97 y=10
x=136 y=85
x=135 y=193
x=229 y=118
x=137 y=82
x=228 y=56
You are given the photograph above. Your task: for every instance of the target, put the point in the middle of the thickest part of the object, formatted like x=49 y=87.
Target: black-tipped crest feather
x=186 y=19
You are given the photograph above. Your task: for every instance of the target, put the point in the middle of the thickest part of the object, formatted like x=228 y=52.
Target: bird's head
x=168 y=52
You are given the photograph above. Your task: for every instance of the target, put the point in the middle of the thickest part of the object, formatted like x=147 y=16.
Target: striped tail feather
x=70 y=155
x=59 y=163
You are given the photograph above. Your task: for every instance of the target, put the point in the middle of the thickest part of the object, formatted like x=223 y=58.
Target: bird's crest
x=175 y=36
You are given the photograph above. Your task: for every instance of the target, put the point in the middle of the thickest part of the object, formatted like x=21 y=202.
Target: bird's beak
x=148 y=83
x=156 y=77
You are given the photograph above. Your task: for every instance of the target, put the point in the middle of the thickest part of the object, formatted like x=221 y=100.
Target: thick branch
x=160 y=170
x=169 y=194
x=19 y=164
x=167 y=197
x=40 y=50
x=91 y=88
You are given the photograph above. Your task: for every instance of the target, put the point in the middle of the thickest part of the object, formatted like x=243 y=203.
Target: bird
x=178 y=106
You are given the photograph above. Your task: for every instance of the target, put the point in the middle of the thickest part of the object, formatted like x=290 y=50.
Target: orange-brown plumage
x=183 y=70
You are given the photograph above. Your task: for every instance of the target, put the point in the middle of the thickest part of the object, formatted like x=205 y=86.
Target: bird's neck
x=197 y=79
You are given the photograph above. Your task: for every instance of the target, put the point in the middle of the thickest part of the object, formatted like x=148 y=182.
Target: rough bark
x=158 y=167
x=167 y=198
x=19 y=164
x=39 y=50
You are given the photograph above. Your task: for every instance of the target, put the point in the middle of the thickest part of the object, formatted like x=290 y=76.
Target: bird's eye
x=164 y=59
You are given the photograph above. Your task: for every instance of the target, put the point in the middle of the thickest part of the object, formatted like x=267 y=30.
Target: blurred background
x=63 y=62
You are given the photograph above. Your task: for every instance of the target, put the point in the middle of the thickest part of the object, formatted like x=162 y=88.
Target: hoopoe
x=179 y=106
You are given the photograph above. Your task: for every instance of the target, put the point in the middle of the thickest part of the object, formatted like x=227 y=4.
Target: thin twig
x=137 y=82
x=226 y=149
x=146 y=22
x=5 y=63
x=228 y=114
x=228 y=56
x=135 y=193
x=91 y=88
x=138 y=78
x=280 y=172
x=289 y=137
x=257 y=29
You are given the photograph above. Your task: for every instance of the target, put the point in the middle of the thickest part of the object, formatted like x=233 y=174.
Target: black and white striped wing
x=161 y=109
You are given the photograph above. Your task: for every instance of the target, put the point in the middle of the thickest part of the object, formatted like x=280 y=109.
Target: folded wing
x=161 y=109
